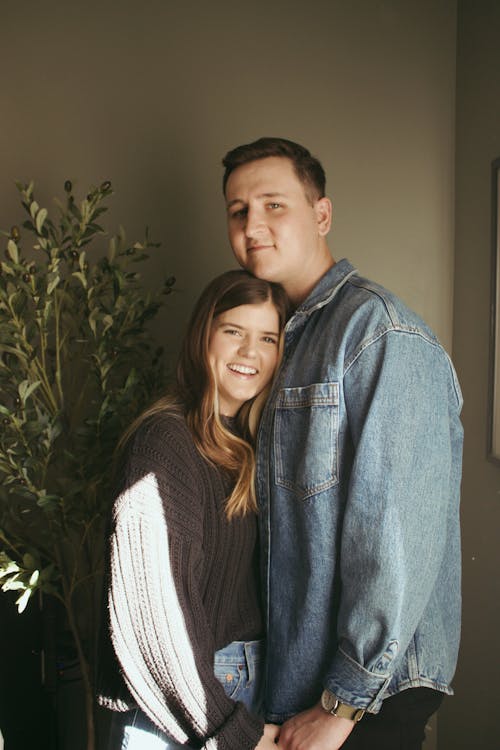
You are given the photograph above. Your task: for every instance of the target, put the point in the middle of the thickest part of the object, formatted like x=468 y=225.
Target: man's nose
x=254 y=223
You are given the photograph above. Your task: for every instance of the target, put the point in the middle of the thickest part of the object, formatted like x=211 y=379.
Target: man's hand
x=268 y=739
x=314 y=729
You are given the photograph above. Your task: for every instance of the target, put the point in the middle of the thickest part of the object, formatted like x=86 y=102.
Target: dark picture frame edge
x=494 y=364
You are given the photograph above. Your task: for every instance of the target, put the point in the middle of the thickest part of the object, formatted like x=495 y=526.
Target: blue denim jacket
x=358 y=475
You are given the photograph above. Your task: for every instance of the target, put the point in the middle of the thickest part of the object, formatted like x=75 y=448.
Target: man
x=358 y=472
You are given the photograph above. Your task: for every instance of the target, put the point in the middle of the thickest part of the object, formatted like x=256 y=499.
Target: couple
x=356 y=472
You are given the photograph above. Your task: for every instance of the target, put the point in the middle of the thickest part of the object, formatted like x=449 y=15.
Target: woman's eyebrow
x=242 y=328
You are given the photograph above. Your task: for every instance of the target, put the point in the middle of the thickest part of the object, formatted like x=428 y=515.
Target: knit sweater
x=182 y=583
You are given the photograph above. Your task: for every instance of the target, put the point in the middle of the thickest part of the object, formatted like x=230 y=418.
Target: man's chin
x=261 y=270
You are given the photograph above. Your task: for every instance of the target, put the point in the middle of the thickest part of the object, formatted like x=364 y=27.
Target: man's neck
x=299 y=292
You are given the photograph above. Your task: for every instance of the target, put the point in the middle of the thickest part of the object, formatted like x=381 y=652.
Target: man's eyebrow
x=261 y=195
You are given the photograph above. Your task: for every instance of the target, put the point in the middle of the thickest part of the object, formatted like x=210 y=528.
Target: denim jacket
x=358 y=476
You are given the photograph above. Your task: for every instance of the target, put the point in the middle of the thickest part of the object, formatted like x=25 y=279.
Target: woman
x=183 y=574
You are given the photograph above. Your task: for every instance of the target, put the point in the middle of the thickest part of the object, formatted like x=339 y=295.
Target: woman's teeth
x=243 y=369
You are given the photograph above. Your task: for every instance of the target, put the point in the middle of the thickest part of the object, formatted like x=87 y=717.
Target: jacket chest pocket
x=305 y=438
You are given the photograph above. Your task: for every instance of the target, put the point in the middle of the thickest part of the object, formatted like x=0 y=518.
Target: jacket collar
x=327 y=287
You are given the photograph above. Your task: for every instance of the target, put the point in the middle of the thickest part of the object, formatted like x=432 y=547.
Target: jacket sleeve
x=158 y=626
x=403 y=403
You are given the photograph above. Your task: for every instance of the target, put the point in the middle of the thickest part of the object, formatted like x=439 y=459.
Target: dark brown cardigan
x=182 y=583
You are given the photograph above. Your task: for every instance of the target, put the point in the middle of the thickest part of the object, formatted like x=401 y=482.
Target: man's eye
x=240 y=213
x=274 y=205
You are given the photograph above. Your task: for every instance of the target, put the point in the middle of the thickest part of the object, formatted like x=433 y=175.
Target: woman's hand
x=268 y=739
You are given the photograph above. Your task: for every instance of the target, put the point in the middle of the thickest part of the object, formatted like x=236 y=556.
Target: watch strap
x=334 y=706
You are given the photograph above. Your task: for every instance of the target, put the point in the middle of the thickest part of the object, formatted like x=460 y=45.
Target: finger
x=271 y=730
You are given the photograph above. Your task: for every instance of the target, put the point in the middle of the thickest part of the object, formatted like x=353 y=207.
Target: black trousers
x=400 y=724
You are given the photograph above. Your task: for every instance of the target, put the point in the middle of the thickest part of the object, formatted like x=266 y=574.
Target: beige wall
x=472 y=720
x=150 y=95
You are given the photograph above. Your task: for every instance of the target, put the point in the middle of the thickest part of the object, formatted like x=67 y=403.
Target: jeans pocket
x=306 y=437
x=232 y=677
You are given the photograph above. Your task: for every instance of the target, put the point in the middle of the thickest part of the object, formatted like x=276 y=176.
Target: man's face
x=275 y=231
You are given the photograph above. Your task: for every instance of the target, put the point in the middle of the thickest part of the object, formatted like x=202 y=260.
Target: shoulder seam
x=380 y=333
x=360 y=283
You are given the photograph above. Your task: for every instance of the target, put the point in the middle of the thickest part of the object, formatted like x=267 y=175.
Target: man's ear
x=323 y=209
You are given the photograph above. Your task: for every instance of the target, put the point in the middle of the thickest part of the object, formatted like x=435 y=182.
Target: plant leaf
x=13 y=251
x=34 y=578
x=7 y=567
x=53 y=282
x=40 y=218
x=26 y=388
x=23 y=600
x=81 y=276
x=8 y=269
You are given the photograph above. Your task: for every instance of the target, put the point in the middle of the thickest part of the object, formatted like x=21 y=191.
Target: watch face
x=328 y=700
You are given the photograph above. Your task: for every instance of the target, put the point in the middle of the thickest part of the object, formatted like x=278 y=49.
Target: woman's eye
x=274 y=205
x=270 y=340
x=232 y=331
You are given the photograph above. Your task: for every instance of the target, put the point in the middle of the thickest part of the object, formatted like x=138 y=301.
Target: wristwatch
x=332 y=705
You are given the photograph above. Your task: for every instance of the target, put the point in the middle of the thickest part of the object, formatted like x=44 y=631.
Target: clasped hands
x=313 y=729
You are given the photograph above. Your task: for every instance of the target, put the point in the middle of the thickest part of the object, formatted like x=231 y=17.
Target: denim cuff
x=353 y=684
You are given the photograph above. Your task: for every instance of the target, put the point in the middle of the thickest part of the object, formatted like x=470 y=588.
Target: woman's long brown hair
x=195 y=391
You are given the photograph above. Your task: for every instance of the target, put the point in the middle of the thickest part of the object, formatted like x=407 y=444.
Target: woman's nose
x=247 y=348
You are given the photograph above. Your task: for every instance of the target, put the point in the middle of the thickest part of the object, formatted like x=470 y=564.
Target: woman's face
x=243 y=353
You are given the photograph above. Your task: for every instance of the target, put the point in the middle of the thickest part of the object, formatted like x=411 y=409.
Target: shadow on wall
x=47 y=716
x=27 y=715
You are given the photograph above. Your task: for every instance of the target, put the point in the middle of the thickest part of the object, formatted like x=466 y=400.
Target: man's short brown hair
x=307 y=168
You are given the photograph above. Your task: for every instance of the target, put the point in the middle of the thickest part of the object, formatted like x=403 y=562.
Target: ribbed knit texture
x=183 y=583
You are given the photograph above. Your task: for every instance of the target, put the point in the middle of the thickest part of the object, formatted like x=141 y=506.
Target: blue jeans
x=239 y=667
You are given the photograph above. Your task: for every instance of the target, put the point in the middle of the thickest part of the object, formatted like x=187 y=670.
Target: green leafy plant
x=77 y=363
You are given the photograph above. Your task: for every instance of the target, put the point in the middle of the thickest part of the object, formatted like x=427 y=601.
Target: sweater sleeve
x=158 y=627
